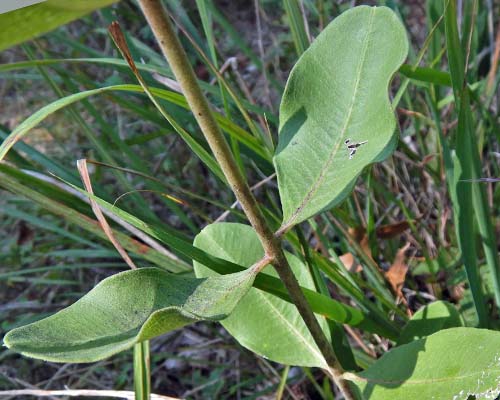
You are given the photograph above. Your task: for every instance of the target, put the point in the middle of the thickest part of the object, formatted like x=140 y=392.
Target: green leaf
x=126 y=309
x=451 y=364
x=28 y=22
x=337 y=91
x=261 y=322
x=425 y=74
x=320 y=304
x=430 y=319
x=18 y=182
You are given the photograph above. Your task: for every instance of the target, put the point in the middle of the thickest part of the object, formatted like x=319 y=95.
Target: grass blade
x=18 y=182
x=297 y=25
x=461 y=193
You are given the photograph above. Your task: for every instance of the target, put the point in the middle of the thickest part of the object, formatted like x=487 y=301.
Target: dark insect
x=353 y=147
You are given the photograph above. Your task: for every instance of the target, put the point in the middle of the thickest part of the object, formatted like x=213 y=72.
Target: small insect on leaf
x=353 y=147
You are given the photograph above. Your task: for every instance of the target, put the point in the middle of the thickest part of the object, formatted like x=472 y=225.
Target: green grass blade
x=461 y=193
x=225 y=123
x=142 y=371
x=297 y=25
x=25 y=23
x=101 y=147
x=454 y=49
x=18 y=182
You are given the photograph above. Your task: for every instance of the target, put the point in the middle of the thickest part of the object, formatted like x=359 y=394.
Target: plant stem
x=167 y=39
x=175 y=55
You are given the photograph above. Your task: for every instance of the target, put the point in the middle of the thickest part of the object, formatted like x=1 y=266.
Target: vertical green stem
x=142 y=373
x=169 y=43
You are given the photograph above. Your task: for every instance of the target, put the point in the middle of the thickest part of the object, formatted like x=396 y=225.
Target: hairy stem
x=175 y=55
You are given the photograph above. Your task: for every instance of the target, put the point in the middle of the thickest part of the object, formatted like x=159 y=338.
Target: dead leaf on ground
x=396 y=274
x=349 y=263
x=392 y=230
x=388 y=231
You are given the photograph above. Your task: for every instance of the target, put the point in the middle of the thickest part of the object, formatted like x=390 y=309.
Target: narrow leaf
x=466 y=204
x=174 y=98
x=297 y=25
x=335 y=115
x=142 y=371
x=126 y=309
x=120 y=42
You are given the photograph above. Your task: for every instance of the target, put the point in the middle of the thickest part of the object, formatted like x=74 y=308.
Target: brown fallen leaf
x=349 y=263
x=362 y=239
x=392 y=230
x=388 y=231
x=365 y=245
x=396 y=274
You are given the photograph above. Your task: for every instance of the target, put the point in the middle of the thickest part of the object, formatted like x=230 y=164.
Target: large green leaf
x=261 y=322
x=128 y=308
x=452 y=364
x=28 y=22
x=430 y=319
x=337 y=91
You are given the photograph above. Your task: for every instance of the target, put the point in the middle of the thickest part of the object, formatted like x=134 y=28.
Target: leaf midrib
x=284 y=322
x=319 y=180
x=226 y=293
